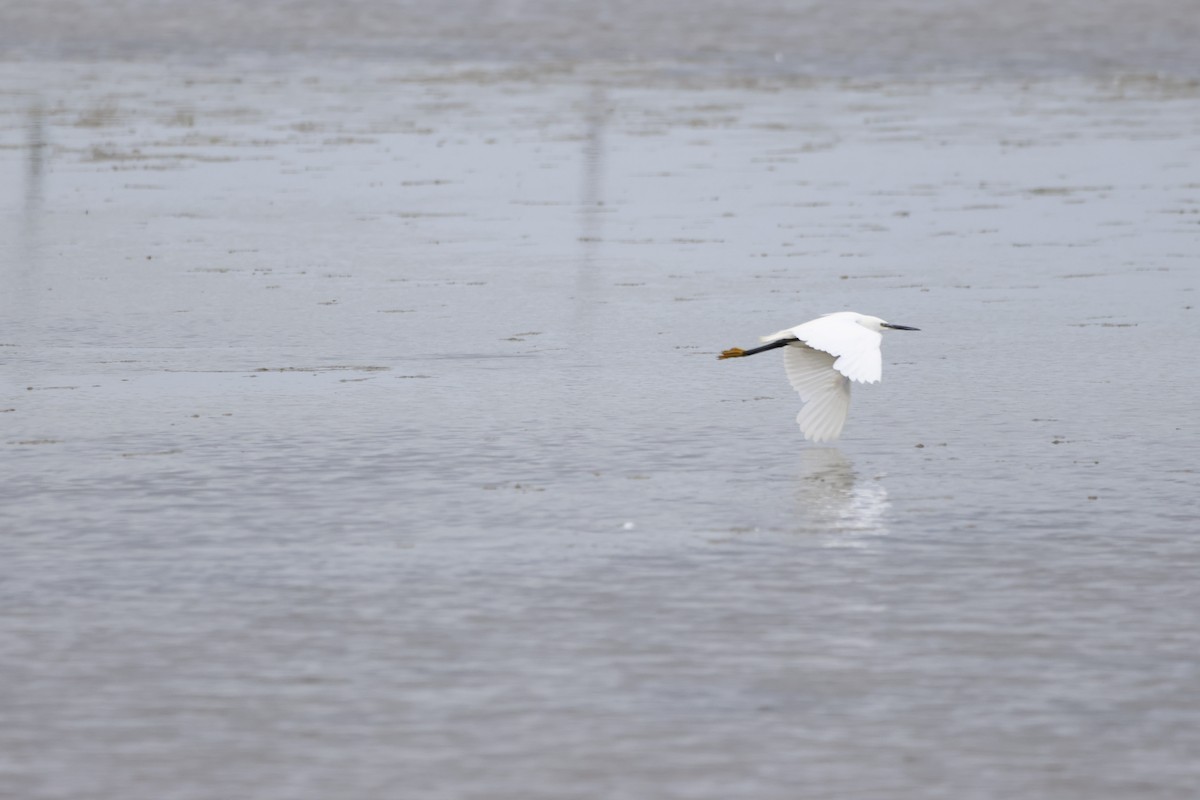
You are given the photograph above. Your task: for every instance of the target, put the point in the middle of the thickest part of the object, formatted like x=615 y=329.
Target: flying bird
x=821 y=357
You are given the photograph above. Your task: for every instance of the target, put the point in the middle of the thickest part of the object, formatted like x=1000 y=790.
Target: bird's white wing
x=824 y=391
x=856 y=347
x=786 y=333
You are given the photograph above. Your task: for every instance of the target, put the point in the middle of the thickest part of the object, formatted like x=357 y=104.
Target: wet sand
x=364 y=437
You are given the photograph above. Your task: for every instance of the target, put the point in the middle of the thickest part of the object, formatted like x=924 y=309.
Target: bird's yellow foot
x=733 y=352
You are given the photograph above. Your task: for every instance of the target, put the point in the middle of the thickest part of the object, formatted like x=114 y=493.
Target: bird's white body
x=822 y=357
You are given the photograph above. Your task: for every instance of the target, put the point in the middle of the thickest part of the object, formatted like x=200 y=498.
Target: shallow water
x=751 y=37
x=363 y=434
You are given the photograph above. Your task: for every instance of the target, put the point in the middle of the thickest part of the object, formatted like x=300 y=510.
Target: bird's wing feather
x=824 y=391
x=856 y=347
x=786 y=333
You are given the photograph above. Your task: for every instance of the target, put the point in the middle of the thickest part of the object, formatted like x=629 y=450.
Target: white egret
x=821 y=357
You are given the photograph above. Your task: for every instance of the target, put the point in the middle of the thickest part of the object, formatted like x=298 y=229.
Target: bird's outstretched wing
x=824 y=391
x=856 y=347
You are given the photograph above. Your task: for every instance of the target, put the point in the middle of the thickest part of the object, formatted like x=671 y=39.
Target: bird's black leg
x=737 y=352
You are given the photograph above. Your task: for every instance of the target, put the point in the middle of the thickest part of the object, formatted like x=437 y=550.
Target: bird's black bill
x=899 y=327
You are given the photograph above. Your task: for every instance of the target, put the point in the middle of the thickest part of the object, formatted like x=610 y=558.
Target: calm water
x=363 y=435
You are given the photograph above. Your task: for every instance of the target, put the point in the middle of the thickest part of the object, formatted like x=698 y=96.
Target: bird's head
x=876 y=324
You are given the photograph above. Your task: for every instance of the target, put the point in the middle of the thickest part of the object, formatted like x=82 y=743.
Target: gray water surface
x=831 y=38
x=363 y=435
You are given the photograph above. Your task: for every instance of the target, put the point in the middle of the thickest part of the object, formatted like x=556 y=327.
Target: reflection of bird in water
x=833 y=499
